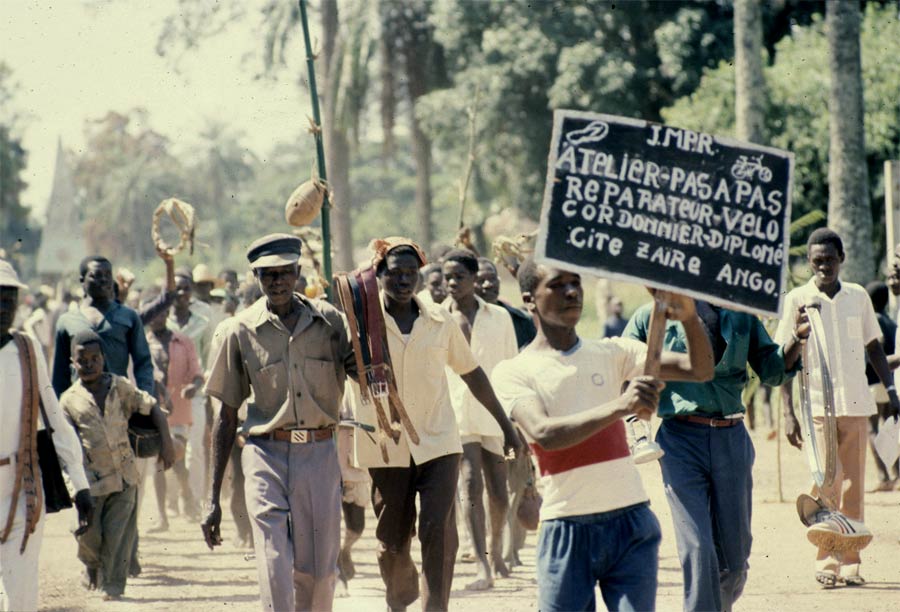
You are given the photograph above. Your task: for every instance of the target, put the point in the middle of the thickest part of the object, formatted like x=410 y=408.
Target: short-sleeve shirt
x=598 y=474
x=197 y=328
x=493 y=340
x=297 y=377
x=109 y=462
x=183 y=367
x=746 y=343
x=850 y=324
x=435 y=343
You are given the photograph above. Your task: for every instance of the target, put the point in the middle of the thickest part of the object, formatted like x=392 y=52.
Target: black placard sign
x=669 y=208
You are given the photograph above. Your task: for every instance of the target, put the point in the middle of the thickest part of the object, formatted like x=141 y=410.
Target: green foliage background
x=797 y=117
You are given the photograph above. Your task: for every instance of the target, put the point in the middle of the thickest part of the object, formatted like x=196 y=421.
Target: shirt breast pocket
x=270 y=388
x=854 y=328
x=321 y=379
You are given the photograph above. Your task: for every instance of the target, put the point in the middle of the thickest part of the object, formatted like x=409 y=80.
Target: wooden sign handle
x=655 y=336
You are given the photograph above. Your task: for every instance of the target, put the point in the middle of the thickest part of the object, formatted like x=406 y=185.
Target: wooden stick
x=464 y=182
x=655 y=336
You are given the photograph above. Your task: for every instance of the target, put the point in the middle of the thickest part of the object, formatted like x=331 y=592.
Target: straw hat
x=8 y=276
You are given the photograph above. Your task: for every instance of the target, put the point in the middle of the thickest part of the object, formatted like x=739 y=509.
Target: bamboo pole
x=470 y=161
x=320 y=151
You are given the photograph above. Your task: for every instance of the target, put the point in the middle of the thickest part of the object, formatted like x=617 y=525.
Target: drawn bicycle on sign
x=745 y=168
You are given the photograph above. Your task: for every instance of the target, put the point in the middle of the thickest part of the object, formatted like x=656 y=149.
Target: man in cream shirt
x=422 y=341
x=851 y=334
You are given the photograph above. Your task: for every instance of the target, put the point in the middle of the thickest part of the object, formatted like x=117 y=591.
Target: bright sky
x=78 y=59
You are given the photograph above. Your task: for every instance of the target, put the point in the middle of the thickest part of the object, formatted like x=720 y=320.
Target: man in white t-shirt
x=565 y=394
x=851 y=333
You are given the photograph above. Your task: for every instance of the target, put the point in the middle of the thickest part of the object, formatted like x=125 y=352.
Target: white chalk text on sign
x=669 y=208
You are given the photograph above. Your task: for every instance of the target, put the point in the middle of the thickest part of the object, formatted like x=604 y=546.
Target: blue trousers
x=709 y=484
x=617 y=550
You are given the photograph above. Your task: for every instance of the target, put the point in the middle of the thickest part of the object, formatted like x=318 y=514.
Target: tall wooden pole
x=320 y=148
x=892 y=214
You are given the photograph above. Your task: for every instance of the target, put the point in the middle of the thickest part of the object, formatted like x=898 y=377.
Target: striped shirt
x=598 y=474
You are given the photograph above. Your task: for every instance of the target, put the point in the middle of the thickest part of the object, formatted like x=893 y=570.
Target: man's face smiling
x=400 y=275
x=558 y=298
x=487 y=284
x=277 y=283
x=825 y=263
x=460 y=280
x=98 y=281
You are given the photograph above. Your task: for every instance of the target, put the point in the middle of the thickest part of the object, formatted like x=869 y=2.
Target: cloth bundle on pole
x=360 y=301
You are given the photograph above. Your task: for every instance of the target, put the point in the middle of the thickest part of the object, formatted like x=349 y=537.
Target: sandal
x=850 y=575
x=827 y=573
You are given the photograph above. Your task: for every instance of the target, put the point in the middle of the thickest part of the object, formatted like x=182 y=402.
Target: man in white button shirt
x=492 y=338
x=19 y=549
x=851 y=333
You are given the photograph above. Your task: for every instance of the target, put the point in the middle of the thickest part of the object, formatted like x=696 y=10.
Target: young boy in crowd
x=565 y=393
x=492 y=339
x=99 y=405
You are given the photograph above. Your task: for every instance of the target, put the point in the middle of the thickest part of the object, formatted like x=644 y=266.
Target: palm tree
x=849 y=211
x=750 y=96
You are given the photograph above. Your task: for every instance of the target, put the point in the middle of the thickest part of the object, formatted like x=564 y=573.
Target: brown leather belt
x=709 y=421
x=6 y=460
x=299 y=436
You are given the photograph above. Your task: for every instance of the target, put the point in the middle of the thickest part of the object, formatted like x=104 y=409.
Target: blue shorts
x=617 y=550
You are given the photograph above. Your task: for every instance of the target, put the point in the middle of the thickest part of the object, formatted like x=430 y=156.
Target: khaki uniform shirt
x=436 y=342
x=108 y=459
x=297 y=377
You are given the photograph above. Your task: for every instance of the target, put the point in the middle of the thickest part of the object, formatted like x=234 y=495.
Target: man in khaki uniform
x=293 y=353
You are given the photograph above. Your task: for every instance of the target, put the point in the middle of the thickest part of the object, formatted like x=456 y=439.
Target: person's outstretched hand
x=211 y=526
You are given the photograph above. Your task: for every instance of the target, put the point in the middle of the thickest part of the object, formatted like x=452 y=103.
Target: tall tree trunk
x=849 y=208
x=750 y=95
x=417 y=85
x=337 y=145
x=422 y=157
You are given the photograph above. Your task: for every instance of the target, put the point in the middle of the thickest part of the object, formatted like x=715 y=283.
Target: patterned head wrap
x=380 y=248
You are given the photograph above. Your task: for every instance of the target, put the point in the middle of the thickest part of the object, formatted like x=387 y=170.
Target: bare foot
x=500 y=568
x=482 y=584
x=512 y=561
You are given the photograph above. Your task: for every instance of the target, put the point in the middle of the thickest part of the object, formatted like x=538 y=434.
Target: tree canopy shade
x=628 y=58
x=797 y=115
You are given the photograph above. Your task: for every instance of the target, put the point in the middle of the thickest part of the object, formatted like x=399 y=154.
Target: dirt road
x=181 y=574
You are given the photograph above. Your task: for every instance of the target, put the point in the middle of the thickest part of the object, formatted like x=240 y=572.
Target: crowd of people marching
x=251 y=390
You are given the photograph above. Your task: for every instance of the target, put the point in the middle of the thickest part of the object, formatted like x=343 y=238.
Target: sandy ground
x=181 y=573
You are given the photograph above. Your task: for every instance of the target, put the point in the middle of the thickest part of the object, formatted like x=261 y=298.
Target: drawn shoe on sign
x=745 y=169
x=595 y=131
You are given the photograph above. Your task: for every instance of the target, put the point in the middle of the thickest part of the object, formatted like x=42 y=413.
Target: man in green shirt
x=707 y=468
